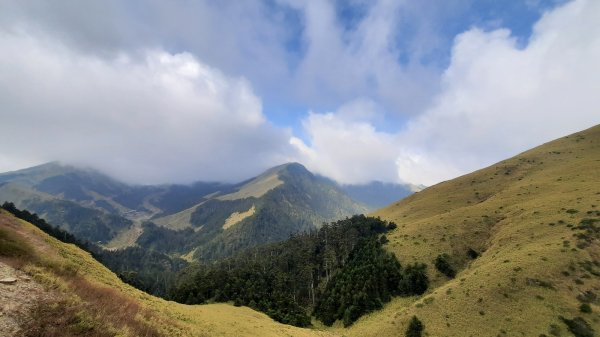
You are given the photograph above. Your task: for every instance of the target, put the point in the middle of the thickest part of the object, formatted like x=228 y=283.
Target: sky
x=405 y=91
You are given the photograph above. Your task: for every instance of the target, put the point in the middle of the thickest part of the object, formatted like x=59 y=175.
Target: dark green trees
x=339 y=272
x=371 y=277
x=415 y=280
x=442 y=263
x=415 y=328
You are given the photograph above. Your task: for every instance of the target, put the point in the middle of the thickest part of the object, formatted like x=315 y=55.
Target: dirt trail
x=18 y=299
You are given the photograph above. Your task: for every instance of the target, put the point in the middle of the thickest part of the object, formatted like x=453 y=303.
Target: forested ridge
x=338 y=272
x=300 y=203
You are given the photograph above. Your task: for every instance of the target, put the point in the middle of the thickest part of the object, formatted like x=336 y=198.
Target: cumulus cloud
x=497 y=99
x=344 y=145
x=147 y=118
x=343 y=63
x=159 y=94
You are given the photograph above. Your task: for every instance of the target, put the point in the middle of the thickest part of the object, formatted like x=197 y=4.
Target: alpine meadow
x=300 y=168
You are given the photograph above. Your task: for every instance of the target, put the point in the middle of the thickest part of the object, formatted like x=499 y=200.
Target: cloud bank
x=175 y=93
x=497 y=99
x=156 y=117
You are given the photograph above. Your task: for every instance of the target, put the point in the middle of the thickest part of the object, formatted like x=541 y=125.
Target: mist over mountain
x=200 y=220
x=377 y=194
x=516 y=236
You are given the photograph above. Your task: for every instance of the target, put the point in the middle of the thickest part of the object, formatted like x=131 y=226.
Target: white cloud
x=346 y=147
x=341 y=64
x=160 y=117
x=108 y=99
x=497 y=99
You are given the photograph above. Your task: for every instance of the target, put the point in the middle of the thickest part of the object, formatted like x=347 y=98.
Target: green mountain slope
x=80 y=200
x=205 y=220
x=521 y=236
x=284 y=200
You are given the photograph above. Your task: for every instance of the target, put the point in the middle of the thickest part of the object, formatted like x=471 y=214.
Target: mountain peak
x=35 y=174
x=290 y=167
x=276 y=172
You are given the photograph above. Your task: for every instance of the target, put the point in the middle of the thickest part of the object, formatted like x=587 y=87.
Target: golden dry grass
x=69 y=270
x=519 y=214
x=179 y=220
x=256 y=188
x=236 y=217
x=516 y=214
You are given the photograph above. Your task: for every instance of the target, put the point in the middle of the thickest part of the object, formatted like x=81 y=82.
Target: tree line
x=339 y=272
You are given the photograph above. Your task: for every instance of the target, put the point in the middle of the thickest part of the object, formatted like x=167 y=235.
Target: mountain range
x=203 y=220
x=510 y=250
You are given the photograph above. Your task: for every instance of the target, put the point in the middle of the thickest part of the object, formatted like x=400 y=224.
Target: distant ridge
x=521 y=239
x=224 y=218
x=377 y=194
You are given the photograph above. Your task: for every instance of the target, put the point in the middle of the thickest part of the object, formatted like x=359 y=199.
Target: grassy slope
x=510 y=211
x=170 y=318
x=514 y=212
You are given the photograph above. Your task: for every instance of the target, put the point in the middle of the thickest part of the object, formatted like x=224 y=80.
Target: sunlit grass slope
x=533 y=219
x=74 y=276
x=523 y=216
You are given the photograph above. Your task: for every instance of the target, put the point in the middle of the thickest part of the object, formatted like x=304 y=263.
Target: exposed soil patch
x=18 y=299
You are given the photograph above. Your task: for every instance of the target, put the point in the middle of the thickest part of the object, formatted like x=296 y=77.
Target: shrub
x=415 y=280
x=585 y=308
x=442 y=264
x=415 y=328
x=471 y=253
x=554 y=330
x=579 y=327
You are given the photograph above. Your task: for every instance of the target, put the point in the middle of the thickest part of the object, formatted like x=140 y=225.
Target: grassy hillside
x=526 y=217
x=87 y=299
x=522 y=236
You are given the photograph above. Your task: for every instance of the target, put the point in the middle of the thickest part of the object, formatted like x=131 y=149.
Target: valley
x=385 y=168
x=518 y=243
x=287 y=199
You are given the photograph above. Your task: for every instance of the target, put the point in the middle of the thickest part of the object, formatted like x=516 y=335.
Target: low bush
x=471 y=253
x=579 y=327
x=442 y=264
x=415 y=328
x=585 y=308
